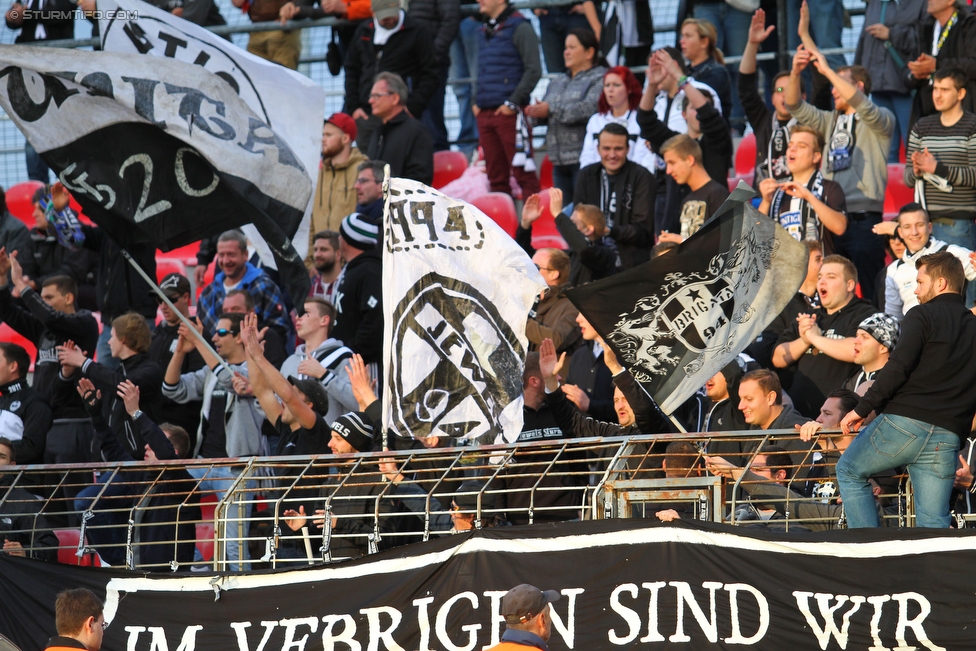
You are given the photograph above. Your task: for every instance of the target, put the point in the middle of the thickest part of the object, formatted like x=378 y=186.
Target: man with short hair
x=369 y=190
x=858 y=134
x=79 y=619
x=941 y=153
x=875 y=339
x=924 y=398
x=508 y=69
x=528 y=622
x=327 y=265
x=359 y=298
x=237 y=273
x=335 y=195
x=683 y=159
x=240 y=301
x=806 y=204
x=553 y=316
x=24 y=530
x=177 y=289
x=819 y=346
x=400 y=140
x=322 y=358
x=589 y=382
x=624 y=191
x=915 y=229
x=761 y=403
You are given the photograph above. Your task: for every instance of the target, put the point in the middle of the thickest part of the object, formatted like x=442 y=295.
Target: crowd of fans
x=645 y=169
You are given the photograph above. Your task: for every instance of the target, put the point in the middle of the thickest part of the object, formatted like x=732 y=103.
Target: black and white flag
x=677 y=320
x=157 y=150
x=457 y=291
x=287 y=101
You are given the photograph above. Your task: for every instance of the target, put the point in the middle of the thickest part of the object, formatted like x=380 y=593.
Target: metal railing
x=148 y=516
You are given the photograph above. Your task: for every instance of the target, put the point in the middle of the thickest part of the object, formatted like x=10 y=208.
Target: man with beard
x=924 y=398
x=335 y=194
x=325 y=260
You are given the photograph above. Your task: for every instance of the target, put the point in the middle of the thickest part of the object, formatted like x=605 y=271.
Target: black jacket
x=47 y=328
x=118 y=288
x=590 y=373
x=145 y=374
x=25 y=419
x=715 y=141
x=439 y=18
x=21 y=521
x=359 y=306
x=407 y=53
x=931 y=374
x=52 y=259
x=633 y=221
x=958 y=51
x=760 y=117
x=405 y=144
x=55 y=29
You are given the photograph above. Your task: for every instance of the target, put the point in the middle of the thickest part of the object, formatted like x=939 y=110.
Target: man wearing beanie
x=528 y=622
x=359 y=297
x=335 y=194
x=875 y=339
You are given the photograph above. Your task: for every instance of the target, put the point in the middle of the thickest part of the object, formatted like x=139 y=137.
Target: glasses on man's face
x=780 y=89
x=172 y=299
x=379 y=95
x=223 y=332
x=544 y=268
x=363 y=180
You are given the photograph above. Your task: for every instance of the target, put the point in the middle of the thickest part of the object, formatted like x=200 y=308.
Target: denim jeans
x=464 y=65
x=433 y=115
x=901 y=105
x=865 y=249
x=107 y=528
x=961 y=232
x=732 y=27
x=564 y=178
x=891 y=441
x=555 y=25
x=219 y=480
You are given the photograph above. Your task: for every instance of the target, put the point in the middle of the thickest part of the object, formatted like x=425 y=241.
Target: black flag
x=157 y=151
x=677 y=320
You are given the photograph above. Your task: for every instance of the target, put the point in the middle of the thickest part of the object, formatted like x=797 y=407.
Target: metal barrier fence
x=148 y=516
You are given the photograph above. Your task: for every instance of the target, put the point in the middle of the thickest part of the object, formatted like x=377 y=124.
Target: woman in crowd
x=618 y=104
x=697 y=43
x=569 y=102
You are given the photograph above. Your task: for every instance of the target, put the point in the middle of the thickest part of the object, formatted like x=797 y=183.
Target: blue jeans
x=108 y=526
x=961 y=232
x=732 y=27
x=555 y=25
x=219 y=480
x=103 y=354
x=464 y=64
x=901 y=105
x=433 y=115
x=865 y=249
x=892 y=441
x=564 y=178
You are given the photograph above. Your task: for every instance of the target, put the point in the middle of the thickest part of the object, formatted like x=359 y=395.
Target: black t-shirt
x=699 y=206
x=301 y=442
x=817 y=374
x=790 y=215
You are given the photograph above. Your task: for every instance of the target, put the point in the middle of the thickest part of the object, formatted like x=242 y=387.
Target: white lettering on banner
x=653 y=635
x=144 y=212
x=290 y=627
x=830 y=628
x=567 y=630
x=471 y=629
x=347 y=637
x=631 y=617
x=423 y=622
x=495 y=619
x=377 y=633
x=242 y=643
x=158 y=642
x=685 y=596
x=737 y=638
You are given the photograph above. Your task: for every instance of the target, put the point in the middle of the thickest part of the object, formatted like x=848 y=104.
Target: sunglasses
x=780 y=89
x=172 y=299
x=223 y=332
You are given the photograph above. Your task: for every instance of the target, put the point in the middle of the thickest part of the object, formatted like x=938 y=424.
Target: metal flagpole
x=189 y=324
x=384 y=238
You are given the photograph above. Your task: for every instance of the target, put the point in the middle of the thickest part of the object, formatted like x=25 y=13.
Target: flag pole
x=384 y=238
x=189 y=324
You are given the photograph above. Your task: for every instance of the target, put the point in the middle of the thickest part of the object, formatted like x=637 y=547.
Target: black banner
x=625 y=584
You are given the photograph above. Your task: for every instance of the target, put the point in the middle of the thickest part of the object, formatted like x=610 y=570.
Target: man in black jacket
x=359 y=298
x=399 y=139
x=925 y=400
x=440 y=18
x=391 y=42
x=24 y=417
x=23 y=530
x=624 y=191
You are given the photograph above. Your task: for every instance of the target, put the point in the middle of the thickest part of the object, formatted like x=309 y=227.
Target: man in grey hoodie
x=858 y=134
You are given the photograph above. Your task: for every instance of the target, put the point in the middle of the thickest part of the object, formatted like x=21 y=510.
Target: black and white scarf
x=779 y=142
x=800 y=220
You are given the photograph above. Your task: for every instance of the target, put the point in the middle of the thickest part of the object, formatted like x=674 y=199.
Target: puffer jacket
x=902 y=20
x=572 y=100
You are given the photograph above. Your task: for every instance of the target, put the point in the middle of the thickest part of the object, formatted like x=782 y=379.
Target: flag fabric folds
x=286 y=100
x=677 y=320
x=457 y=291
x=156 y=150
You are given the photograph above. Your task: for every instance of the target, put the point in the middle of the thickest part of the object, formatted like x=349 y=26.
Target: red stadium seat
x=545 y=174
x=897 y=194
x=745 y=155
x=745 y=178
x=448 y=166
x=166 y=266
x=68 y=548
x=500 y=207
x=9 y=335
x=545 y=235
x=207 y=277
x=182 y=252
x=205 y=529
x=19 y=201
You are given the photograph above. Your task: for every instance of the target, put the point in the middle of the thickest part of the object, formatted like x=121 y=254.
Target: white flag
x=457 y=291
x=289 y=102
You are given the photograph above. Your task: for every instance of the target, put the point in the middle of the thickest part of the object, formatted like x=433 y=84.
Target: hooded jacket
x=359 y=306
x=335 y=194
x=333 y=356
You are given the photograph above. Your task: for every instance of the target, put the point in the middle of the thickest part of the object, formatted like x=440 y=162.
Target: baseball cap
x=344 y=122
x=523 y=602
x=385 y=9
x=883 y=327
x=470 y=502
x=314 y=393
x=174 y=285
